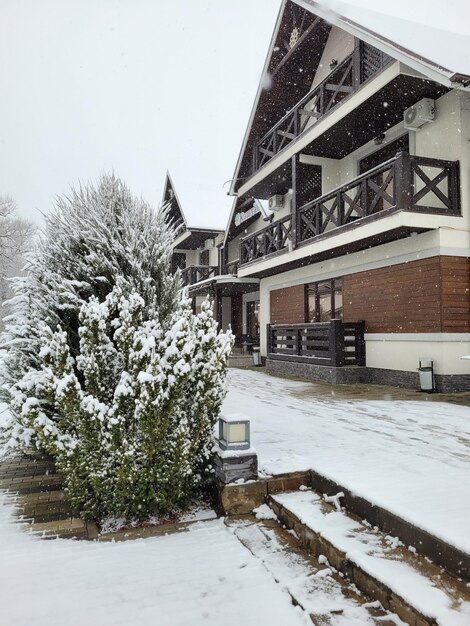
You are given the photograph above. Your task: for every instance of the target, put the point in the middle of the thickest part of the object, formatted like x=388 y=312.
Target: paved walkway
x=401 y=450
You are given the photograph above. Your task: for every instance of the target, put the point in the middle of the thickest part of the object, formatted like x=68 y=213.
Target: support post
x=336 y=343
x=294 y=203
x=403 y=183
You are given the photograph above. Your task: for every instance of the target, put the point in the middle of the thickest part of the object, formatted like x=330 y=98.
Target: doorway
x=252 y=319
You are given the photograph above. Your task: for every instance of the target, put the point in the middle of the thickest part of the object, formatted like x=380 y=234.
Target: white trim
x=425 y=337
x=431 y=70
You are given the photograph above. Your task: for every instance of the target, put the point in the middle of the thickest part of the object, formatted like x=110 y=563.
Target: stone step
x=380 y=566
x=70 y=528
x=324 y=596
x=43 y=507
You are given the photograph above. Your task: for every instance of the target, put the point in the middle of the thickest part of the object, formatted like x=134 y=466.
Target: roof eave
x=427 y=67
x=241 y=154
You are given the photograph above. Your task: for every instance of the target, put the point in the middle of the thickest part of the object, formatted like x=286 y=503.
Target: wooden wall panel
x=288 y=305
x=426 y=296
x=455 y=289
x=401 y=298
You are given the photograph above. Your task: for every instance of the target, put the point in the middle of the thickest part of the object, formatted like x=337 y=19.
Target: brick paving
x=39 y=500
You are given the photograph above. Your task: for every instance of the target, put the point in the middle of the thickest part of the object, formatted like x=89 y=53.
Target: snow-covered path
x=201 y=577
x=411 y=457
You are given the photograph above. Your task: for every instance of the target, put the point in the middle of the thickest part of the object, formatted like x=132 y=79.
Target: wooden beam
x=292 y=50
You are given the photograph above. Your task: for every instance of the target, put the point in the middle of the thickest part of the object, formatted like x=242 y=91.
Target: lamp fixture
x=379 y=139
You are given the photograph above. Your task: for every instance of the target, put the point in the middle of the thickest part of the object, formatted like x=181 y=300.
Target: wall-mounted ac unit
x=276 y=202
x=420 y=113
x=209 y=244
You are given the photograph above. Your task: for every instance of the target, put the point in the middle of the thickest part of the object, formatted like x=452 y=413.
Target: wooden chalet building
x=348 y=245
x=361 y=148
x=197 y=252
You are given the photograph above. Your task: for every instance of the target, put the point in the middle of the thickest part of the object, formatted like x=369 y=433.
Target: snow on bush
x=108 y=369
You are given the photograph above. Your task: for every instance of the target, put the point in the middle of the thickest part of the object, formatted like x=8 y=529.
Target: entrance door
x=252 y=319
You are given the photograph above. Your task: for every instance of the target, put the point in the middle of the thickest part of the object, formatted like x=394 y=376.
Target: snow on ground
x=411 y=457
x=200 y=577
x=366 y=548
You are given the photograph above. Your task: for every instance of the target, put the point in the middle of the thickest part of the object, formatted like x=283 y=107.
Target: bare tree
x=15 y=235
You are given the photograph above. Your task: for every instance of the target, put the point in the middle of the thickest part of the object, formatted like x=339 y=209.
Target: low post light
x=234 y=432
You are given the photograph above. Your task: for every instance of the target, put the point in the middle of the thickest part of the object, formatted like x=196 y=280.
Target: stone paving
x=36 y=491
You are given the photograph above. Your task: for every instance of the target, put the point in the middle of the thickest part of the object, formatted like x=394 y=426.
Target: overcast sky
x=138 y=86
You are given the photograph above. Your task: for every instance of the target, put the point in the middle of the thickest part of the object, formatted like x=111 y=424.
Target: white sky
x=140 y=86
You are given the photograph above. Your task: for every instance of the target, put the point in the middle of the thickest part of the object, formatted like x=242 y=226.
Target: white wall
x=339 y=45
x=402 y=351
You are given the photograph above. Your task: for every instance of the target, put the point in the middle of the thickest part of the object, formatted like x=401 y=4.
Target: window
x=325 y=300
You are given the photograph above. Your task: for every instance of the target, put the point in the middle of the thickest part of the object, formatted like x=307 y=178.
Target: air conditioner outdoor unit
x=420 y=113
x=209 y=244
x=276 y=202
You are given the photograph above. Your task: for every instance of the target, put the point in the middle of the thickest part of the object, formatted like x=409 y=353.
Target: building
x=359 y=148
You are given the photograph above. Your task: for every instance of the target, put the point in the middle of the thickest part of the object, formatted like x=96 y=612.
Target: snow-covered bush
x=122 y=383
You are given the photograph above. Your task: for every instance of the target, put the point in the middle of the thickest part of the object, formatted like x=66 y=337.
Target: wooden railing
x=403 y=183
x=231 y=268
x=346 y=78
x=196 y=273
x=268 y=240
x=334 y=343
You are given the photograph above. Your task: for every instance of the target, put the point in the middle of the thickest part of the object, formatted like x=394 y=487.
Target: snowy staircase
x=36 y=491
x=393 y=576
x=327 y=599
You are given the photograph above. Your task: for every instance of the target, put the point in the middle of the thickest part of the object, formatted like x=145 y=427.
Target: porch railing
x=196 y=273
x=268 y=240
x=346 y=78
x=334 y=343
x=403 y=183
x=231 y=268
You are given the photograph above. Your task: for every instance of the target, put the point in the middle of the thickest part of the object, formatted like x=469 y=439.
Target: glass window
x=325 y=300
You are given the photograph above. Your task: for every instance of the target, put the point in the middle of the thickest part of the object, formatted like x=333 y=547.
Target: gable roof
x=280 y=88
x=447 y=63
x=433 y=37
x=175 y=212
x=193 y=237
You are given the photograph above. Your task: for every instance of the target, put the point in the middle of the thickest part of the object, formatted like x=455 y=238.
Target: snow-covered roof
x=430 y=35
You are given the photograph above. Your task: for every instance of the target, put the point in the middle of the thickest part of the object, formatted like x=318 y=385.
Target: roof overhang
x=434 y=71
x=227 y=284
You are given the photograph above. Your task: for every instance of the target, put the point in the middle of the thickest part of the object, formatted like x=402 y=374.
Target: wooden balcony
x=231 y=268
x=334 y=343
x=403 y=183
x=196 y=273
x=344 y=80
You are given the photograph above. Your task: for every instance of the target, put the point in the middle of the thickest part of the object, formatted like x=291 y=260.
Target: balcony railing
x=345 y=79
x=334 y=343
x=403 y=183
x=196 y=273
x=273 y=238
x=231 y=268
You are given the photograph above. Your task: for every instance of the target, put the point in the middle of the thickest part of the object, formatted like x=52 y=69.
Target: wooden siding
x=288 y=305
x=455 y=289
x=425 y=296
